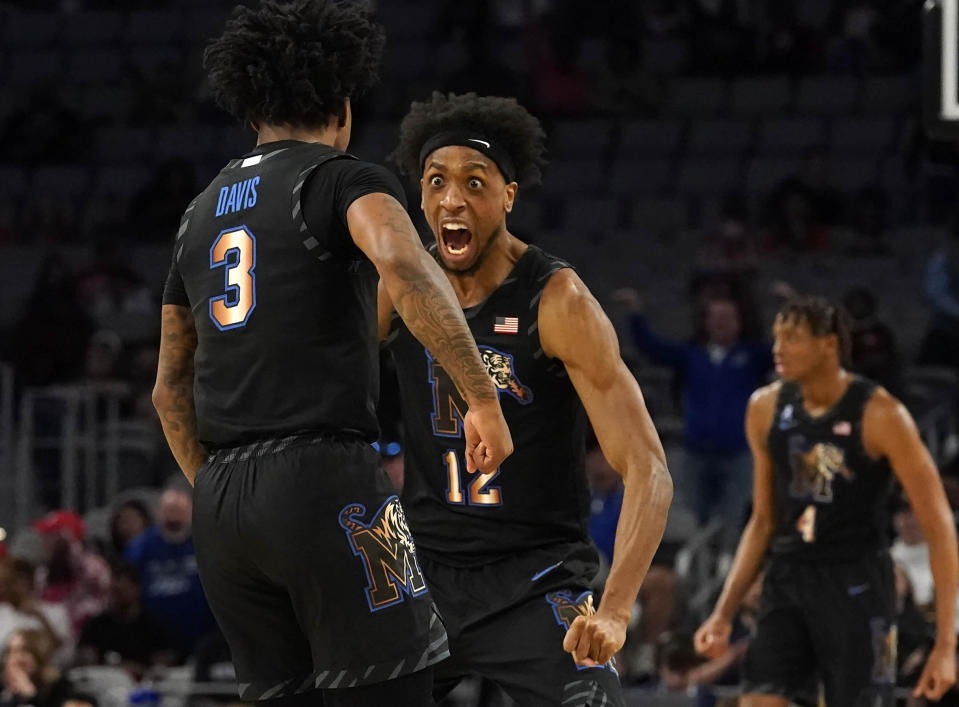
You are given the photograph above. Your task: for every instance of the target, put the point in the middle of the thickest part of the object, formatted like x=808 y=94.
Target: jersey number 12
x=480 y=492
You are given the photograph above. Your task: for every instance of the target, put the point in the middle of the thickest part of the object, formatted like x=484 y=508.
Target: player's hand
x=594 y=640
x=630 y=299
x=712 y=638
x=488 y=441
x=939 y=674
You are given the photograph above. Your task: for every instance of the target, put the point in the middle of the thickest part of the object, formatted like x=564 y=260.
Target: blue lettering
x=237 y=196
x=231 y=201
x=221 y=201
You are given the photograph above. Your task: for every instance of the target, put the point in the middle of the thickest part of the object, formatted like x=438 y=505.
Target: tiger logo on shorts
x=388 y=552
x=499 y=367
x=566 y=609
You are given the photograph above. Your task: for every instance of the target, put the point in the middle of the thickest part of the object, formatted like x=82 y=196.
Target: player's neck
x=473 y=287
x=822 y=391
x=275 y=133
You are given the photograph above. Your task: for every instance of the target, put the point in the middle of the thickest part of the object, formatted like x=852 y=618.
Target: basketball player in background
x=826 y=444
x=506 y=553
x=268 y=360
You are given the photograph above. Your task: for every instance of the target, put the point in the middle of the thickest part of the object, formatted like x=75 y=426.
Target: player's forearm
x=749 y=557
x=646 y=498
x=945 y=574
x=174 y=405
x=173 y=392
x=425 y=300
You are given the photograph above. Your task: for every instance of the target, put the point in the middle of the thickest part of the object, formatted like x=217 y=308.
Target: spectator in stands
x=940 y=346
x=868 y=227
x=48 y=343
x=166 y=563
x=561 y=88
x=127 y=521
x=110 y=286
x=71 y=576
x=873 y=353
x=22 y=608
x=804 y=208
x=916 y=632
x=911 y=553
x=624 y=87
x=720 y=369
x=103 y=358
x=728 y=255
x=29 y=675
x=123 y=634
x=788 y=45
x=855 y=49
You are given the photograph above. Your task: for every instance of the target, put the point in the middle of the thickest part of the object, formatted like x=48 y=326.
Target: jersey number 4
x=234 y=250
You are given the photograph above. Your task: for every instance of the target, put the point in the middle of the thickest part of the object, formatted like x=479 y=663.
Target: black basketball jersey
x=285 y=312
x=830 y=495
x=539 y=496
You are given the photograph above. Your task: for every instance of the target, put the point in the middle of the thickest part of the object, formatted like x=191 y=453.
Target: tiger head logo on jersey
x=499 y=367
x=815 y=469
x=388 y=552
x=449 y=408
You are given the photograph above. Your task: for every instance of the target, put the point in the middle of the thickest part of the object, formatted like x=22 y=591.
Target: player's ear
x=509 y=196
x=255 y=127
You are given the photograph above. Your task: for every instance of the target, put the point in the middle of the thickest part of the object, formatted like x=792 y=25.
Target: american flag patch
x=842 y=428
x=506 y=325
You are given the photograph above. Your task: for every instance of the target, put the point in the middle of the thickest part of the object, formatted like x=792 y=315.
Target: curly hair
x=293 y=63
x=501 y=119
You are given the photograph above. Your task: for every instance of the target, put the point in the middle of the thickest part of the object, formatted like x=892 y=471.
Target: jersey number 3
x=234 y=250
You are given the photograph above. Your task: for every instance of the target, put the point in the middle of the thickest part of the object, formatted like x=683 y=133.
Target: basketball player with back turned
x=826 y=444
x=506 y=552
x=268 y=361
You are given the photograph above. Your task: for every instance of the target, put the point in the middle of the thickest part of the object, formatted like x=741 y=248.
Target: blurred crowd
x=125 y=594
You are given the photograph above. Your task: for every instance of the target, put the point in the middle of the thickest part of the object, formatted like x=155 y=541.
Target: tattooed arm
x=424 y=298
x=173 y=392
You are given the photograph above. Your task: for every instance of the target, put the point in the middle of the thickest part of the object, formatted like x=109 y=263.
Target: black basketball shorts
x=309 y=567
x=507 y=621
x=833 y=623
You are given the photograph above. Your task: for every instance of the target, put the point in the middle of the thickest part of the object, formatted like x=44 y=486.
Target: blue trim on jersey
x=232 y=293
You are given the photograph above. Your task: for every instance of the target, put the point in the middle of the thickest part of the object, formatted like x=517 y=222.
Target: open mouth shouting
x=455 y=238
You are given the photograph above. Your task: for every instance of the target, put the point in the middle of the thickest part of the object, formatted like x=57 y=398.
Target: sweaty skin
x=463 y=187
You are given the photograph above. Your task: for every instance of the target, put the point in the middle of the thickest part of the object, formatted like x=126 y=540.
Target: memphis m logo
x=449 y=408
x=388 y=553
